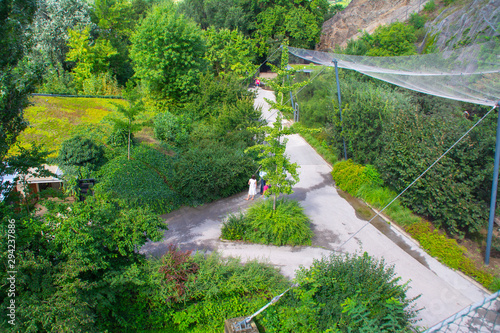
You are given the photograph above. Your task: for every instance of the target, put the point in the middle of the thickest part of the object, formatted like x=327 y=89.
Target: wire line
x=423 y=173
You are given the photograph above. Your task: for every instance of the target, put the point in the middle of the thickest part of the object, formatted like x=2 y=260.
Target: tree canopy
x=167 y=51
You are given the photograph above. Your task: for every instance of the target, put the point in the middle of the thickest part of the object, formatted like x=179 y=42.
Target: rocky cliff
x=457 y=25
x=364 y=15
x=463 y=24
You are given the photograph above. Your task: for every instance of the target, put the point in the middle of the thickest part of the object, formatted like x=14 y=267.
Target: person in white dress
x=252 y=190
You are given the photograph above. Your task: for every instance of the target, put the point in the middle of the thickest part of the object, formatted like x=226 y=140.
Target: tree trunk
x=128 y=145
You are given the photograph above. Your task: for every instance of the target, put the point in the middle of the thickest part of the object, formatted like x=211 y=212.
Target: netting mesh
x=481 y=317
x=470 y=74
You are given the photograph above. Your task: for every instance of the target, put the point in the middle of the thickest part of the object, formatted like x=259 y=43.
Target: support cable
x=423 y=173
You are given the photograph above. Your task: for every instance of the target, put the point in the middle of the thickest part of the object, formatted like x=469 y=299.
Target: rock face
x=364 y=15
x=462 y=26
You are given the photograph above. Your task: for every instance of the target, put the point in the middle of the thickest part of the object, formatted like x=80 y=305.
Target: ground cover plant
x=187 y=292
x=53 y=120
x=344 y=293
x=285 y=225
x=437 y=244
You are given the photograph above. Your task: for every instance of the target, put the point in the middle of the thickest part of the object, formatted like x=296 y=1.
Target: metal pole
x=494 y=188
x=340 y=105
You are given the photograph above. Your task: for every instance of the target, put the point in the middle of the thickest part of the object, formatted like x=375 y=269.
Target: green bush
x=79 y=151
x=344 y=293
x=235 y=227
x=287 y=225
x=430 y=6
x=57 y=82
x=144 y=180
x=170 y=128
x=208 y=290
x=102 y=84
x=206 y=173
x=447 y=251
x=350 y=177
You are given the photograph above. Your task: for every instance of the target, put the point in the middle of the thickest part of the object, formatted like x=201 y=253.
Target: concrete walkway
x=443 y=291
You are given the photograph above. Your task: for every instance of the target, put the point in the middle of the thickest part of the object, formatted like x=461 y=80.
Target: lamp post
x=340 y=105
x=494 y=188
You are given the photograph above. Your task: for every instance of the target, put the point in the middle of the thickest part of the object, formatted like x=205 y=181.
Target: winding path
x=443 y=291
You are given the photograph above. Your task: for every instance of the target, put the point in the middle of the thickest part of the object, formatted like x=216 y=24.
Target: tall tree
x=229 y=51
x=53 y=20
x=90 y=57
x=167 y=52
x=128 y=120
x=281 y=173
x=15 y=77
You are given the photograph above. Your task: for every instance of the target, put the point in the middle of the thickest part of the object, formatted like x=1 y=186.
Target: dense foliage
x=401 y=133
x=198 y=293
x=286 y=225
x=77 y=267
x=16 y=78
x=344 y=293
x=206 y=173
x=145 y=180
x=170 y=62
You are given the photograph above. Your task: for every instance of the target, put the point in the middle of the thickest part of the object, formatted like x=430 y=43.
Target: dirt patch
x=476 y=250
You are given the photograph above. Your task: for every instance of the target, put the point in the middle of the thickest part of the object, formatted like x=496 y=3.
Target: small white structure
x=38 y=184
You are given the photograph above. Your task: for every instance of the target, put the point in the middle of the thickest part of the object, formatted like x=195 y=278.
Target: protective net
x=470 y=74
x=483 y=316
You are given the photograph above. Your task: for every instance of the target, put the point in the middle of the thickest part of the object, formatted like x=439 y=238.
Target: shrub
x=144 y=180
x=81 y=152
x=119 y=137
x=430 y=6
x=287 y=225
x=220 y=288
x=171 y=128
x=447 y=251
x=235 y=227
x=350 y=176
x=102 y=84
x=57 y=82
x=346 y=293
x=206 y=173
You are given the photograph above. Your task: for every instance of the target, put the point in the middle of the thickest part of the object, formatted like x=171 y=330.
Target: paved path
x=443 y=291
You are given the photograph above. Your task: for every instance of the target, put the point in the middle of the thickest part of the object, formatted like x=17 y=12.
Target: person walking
x=262 y=174
x=252 y=190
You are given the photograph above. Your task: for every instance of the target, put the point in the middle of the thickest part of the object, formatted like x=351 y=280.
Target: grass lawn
x=55 y=119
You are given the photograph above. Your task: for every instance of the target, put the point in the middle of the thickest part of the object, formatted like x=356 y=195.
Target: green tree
x=344 y=293
x=281 y=173
x=396 y=39
x=299 y=22
x=16 y=79
x=79 y=267
x=129 y=120
x=53 y=20
x=229 y=52
x=222 y=14
x=79 y=151
x=167 y=51
x=90 y=58
x=116 y=21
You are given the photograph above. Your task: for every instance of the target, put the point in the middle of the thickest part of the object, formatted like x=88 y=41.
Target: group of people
x=252 y=185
